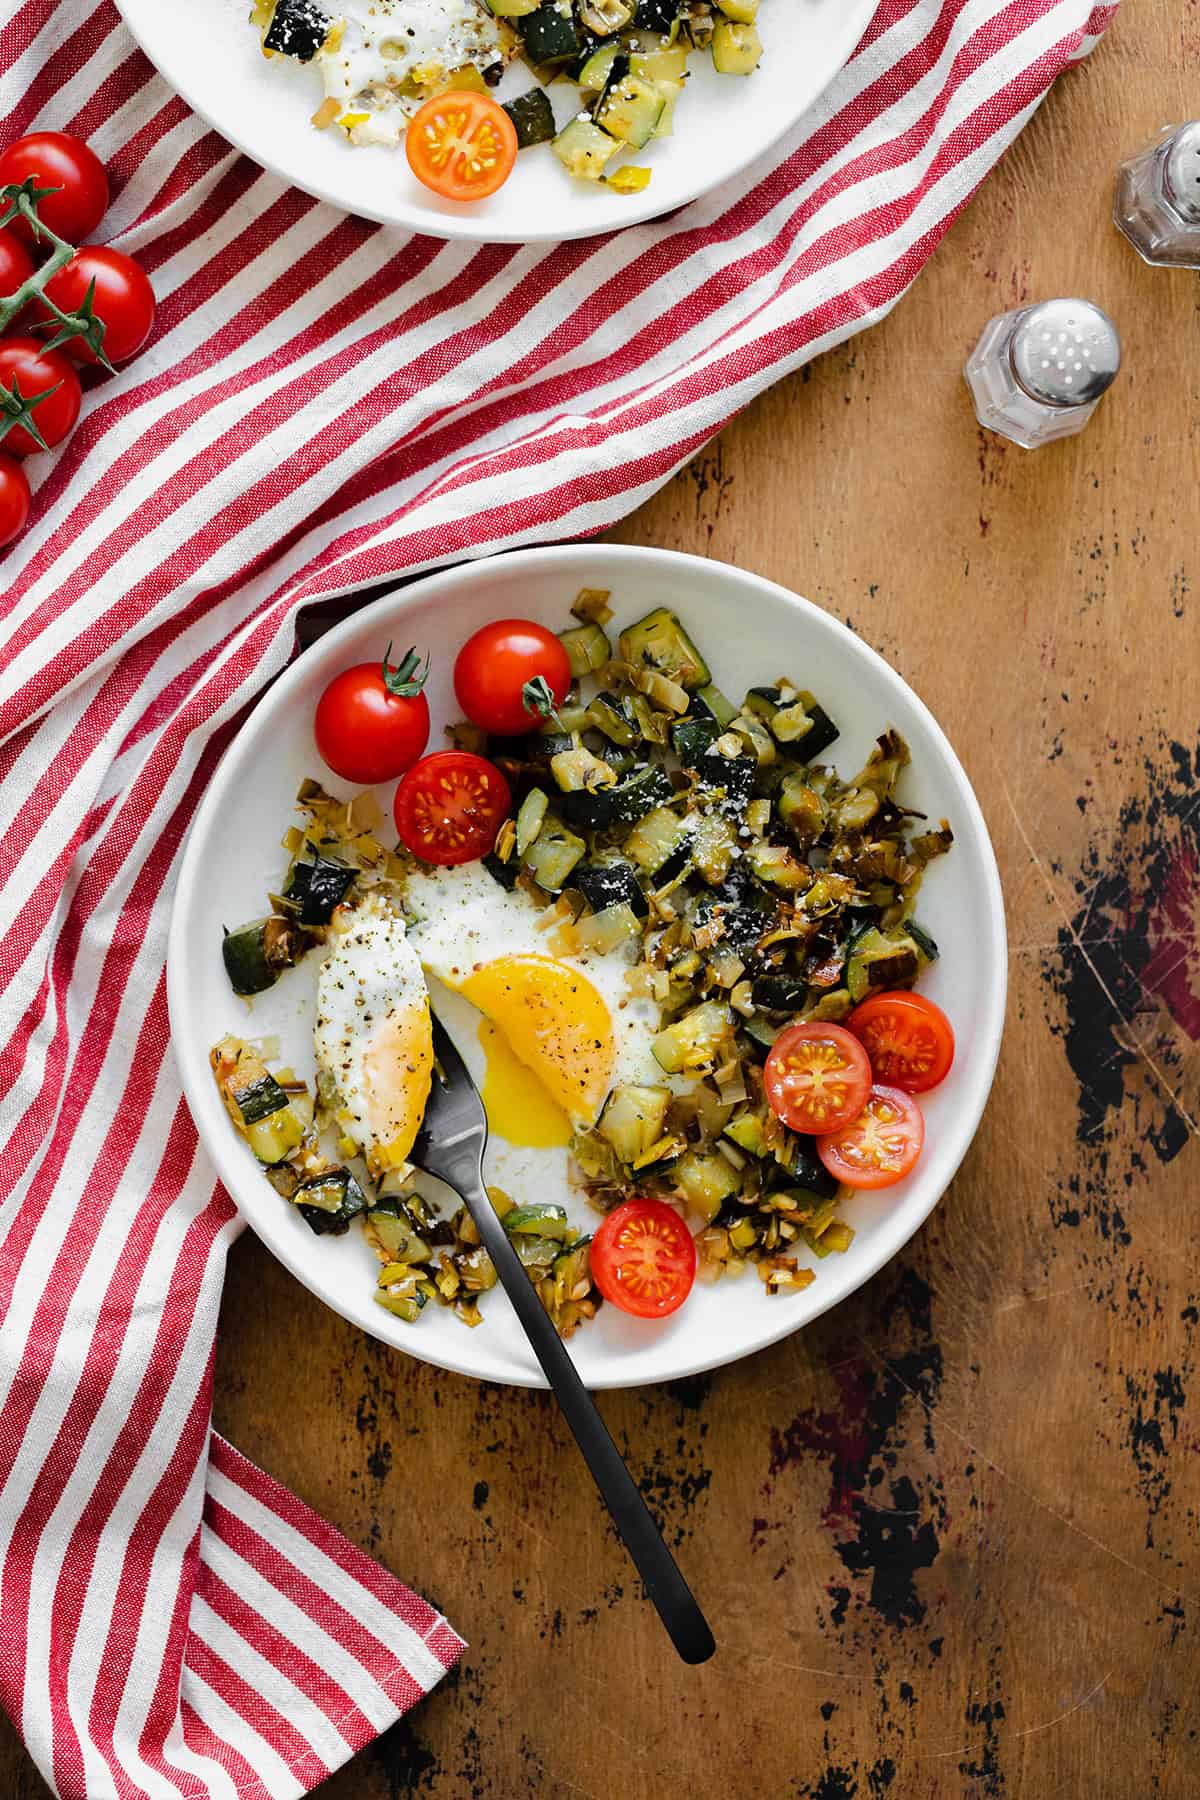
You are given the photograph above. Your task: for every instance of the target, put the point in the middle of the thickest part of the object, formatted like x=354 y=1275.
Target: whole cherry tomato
x=510 y=675
x=31 y=372
x=372 y=720
x=14 y=499
x=123 y=299
x=450 y=806
x=16 y=264
x=56 y=160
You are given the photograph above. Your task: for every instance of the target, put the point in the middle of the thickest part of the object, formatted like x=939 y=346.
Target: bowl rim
x=889 y=1238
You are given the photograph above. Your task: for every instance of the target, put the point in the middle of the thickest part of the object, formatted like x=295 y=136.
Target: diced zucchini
x=706 y=1181
x=513 y=9
x=711 y=700
x=605 y=16
x=614 y=883
x=629 y=110
x=714 y=846
x=298 y=28
x=623 y=804
x=669 y=62
x=660 y=642
x=504 y=872
x=881 y=960
x=530 y=819
x=926 y=946
x=578 y=769
x=587 y=646
x=834 y=1007
x=756 y=737
x=274 y=1138
x=317 y=887
x=732 y=776
x=744 y=11
x=779 y=993
x=806 y=1171
x=537 y=1220
x=393 y=1237
x=618 y=757
x=614 y=717
x=329 y=1203
x=259 y=1099
x=255 y=955
x=402 y=1291
x=655 y=839
x=693 y=1041
x=748 y=1131
x=553 y=854
x=763 y=702
x=736 y=49
x=776 y=865
x=537 y=1254
x=594 y=74
x=804 y=727
x=633 y=1120
x=549 y=34
x=692 y=737
x=584 y=150
x=531 y=114
x=799 y=807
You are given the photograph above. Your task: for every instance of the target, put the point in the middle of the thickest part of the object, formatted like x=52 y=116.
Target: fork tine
x=451 y=1063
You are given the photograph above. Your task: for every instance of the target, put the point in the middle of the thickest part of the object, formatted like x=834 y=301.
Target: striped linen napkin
x=325 y=404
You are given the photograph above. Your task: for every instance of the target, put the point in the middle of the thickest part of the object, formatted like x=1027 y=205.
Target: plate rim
x=469 y=228
x=562 y=557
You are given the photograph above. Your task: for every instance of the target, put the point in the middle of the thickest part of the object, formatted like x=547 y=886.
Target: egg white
x=384 y=56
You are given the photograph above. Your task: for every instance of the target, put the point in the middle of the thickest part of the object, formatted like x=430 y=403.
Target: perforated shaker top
x=1065 y=352
x=1181 y=172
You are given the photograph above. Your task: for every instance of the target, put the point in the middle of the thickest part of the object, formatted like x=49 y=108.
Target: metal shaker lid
x=1065 y=352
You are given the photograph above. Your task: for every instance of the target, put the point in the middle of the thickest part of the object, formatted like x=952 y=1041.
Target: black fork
x=450 y=1145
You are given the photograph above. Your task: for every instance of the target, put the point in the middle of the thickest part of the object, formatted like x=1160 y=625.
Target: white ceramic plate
x=209 y=53
x=751 y=631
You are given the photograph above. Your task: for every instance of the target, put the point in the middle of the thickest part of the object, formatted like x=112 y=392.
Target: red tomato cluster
x=111 y=284
x=852 y=1087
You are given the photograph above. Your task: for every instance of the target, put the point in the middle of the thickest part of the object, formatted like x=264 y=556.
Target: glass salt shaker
x=1157 y=203
x=1037 y=374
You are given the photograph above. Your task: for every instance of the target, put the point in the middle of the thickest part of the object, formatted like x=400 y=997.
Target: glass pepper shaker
x=1037 y=374
x=1157 y=203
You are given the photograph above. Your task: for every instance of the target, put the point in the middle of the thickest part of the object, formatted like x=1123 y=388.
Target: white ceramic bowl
x=751 y=631
x=264 y=107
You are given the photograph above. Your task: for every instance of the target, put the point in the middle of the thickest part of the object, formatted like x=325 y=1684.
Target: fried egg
x=571 y=1020
x=374 y=1036
x=384 y=57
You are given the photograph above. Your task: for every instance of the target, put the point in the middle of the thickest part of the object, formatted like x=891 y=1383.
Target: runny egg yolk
x=517 y=1105
x=555 y=1022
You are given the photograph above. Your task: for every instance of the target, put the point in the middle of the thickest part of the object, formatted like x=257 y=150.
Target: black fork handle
x=673 y=1599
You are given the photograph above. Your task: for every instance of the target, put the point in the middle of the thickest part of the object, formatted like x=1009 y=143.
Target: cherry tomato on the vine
x=14 y=499
x=16 y=264
x=372 y=720
x=881 y=1145
x=45 y=377
x=643 y=1258
x=817 y=1077
x=123 y=299
x=909 y=1040
x=510 y=675
x=462 y=145
x=56 y=160
x=450 y=806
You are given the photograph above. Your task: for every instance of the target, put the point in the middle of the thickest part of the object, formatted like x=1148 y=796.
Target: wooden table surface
x=947 y=1535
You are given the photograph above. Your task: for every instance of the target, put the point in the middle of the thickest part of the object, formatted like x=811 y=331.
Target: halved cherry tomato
x=123 y=299
x=909 y=1040
x=14 y=499
x=28 y=371
x=511 y=675
x=462 y=145
x=57 y=160
x=817 y=1077
x=450 y=806
x=880 y=1146
x=372 y=721
x=643 y=1259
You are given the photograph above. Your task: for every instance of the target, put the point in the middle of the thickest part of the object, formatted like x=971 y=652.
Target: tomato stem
x=21 y=199
x=537 y=697
x=16 y=408
x=408 y=677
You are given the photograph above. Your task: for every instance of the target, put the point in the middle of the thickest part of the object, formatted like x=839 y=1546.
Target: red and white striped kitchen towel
x=325 y=404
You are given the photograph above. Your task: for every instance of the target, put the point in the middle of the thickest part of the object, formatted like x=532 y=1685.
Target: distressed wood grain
x=948 y=1535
